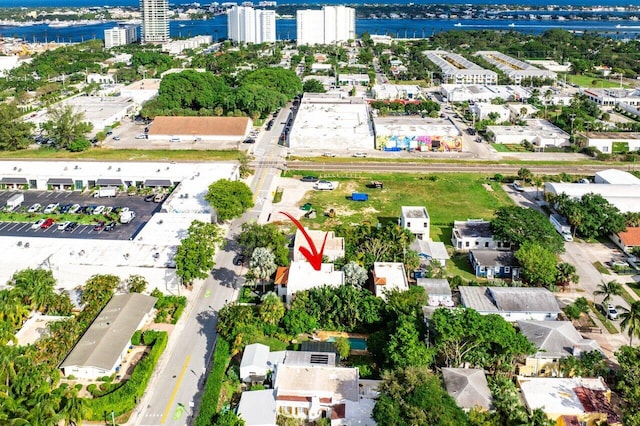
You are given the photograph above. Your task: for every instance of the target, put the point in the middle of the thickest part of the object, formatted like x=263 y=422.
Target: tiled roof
x=630 y=237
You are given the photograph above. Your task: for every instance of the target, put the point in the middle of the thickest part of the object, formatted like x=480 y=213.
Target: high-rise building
x=249 y=25
x=155 y=20
x=332 y=24
x=120 y=35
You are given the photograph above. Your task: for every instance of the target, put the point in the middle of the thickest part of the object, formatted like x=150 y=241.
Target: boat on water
x=512 y=25
x=59 y=24
x=181 y=25
x=457 y=24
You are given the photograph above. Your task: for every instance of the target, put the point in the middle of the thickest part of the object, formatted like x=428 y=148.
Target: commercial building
x=177 y=46
x=613 y=97
x=423 y=134
x=332 y=122
x=155 y=21
x=249 y=25
x=141 y=91
x=331 y=24
x=614 y=142
x=539 y=132
x=483 y=93
x=394 y=92
x=483 y=111
x=457 y=69
x=515 y=69
x=120 y=35
x=104 y=345
x=188 y=129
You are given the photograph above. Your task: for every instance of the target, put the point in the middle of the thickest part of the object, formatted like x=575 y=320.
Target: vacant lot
x=446 y=196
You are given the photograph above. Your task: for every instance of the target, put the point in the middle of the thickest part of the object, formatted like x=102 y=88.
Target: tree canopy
x=15 y=133
x=254 y=235
x=230 y=198
x=520 y=225
x=66 y=127
x=194 y=255
x=591 y=215
x=538 y=264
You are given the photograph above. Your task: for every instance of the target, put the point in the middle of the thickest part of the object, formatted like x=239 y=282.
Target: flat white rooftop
x=414 y=126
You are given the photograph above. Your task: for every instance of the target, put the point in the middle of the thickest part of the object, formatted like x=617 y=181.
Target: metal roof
x=19 y=180
x=60 y=181
x=509 y=299
x=554 y=339
x=110 y=332
x=494 y=257
x=109 y=182
x=158 y=182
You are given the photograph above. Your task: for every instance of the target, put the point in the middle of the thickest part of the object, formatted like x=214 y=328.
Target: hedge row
x=209 y=403
x=125 y=398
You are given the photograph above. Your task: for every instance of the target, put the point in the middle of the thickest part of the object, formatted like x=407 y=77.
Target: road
x=176 y=388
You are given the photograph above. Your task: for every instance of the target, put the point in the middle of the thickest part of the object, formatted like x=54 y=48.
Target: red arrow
x=314 y=258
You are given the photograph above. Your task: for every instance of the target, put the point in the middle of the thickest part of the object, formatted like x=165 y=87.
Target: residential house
x=333 y=246
x=389 y=276
x=468 y=387
x=555 y=340
x=628 y=239
x=438 y=291
x=416 y=219
x=431 y=251
x=257 y=362
x=511 y=303
x=570 y=401
x=300 y=276
x=104 y=345
x=491 y=264
x=475 y=234
x=258 y=408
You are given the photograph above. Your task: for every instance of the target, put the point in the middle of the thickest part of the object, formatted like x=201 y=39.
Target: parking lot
x=144 y=211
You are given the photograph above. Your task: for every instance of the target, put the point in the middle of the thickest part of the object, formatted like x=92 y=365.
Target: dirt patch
x=487 y=187
x=351 y=187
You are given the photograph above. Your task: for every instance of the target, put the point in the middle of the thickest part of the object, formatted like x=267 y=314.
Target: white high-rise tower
x=332 y=24
x=155 y=21
x=249 y=25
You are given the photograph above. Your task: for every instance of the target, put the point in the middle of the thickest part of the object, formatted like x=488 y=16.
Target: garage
x=59 y=184
x=13 y=183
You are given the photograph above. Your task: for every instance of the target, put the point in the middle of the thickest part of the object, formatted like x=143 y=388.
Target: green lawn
x=447 y=197
x=587 y=81
x=103 y=154
x=501 y=147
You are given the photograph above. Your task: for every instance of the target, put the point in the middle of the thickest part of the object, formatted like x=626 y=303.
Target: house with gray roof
x=555 y=340
x=491 y=264
x=437 y=289
x=101 y=349
x=468 y=387
x=476 y=234
x=511 y=303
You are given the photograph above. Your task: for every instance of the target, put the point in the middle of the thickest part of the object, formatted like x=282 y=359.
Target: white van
x=175 y=139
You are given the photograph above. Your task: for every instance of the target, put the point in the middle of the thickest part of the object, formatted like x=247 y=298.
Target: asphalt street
x=176 y=387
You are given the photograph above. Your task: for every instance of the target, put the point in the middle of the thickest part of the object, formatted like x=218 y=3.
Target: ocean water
x=81 y=3
x=286 y=28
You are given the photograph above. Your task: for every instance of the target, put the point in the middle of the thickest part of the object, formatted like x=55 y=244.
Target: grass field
x=586 y=81
x=102 y=154
x=501 y=147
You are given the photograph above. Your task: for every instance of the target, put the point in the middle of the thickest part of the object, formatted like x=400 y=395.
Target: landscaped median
x=82 y=219
x=211 y=396
x=124 y=399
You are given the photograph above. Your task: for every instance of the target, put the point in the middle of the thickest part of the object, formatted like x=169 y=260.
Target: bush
x=135 y=339
x=575 y=310
x=209 y=403
x=149 y=336
x=498 y=177
x=79 y=145
x=124 y=399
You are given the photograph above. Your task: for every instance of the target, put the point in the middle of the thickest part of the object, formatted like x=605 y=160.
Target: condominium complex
x=515 y=69
x=457 y=69
x=249 y=25
x=120 y=35
x=332 y=24
x=155 y=20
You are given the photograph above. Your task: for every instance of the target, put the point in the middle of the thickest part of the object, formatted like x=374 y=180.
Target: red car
x=47 y=223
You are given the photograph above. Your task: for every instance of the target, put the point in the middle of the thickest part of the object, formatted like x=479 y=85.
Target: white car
x=74 y=208
x=359 y=155
x=63 y=225
x=99 y=210
x=34 y=208
x=50 y=208
x=517 y=187
x=37 y=224
x=328 y=154
x=142 y=136
x=612 y=312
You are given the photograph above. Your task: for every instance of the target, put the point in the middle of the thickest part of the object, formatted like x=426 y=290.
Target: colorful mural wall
x=419 y=143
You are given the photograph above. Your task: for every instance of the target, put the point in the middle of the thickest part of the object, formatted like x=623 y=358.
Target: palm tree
x=73 y=408
x=35 y=287
x=538 y=181
x=262 y=264
x=12 y=310
x=566 y=274
x=271 y=309
x=630 y=320
x=608 y=289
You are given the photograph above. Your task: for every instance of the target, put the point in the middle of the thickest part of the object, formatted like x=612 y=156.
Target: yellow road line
x=175 y=389
x=262 y=178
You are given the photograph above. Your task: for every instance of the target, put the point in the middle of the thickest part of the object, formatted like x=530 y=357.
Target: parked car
x=107 y=210
x=34 y=208
x=143 y=136
x=37 y=224
x=65 y=208
x=50 y=208
x=328 y=154
x=149 y=198
x=110 y=226
x=71 y=226
x=99 y=210
x=47 y=223
x=63 y=225
x=75 y=208
x=249 y=140
x=239 y=259
x=99 y=226
x=158 y=198
x=612 y=312
x=359 y=155
x=517 y=187
x=309 y=179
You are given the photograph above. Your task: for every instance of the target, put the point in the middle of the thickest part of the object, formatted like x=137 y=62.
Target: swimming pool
x=356 y=343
